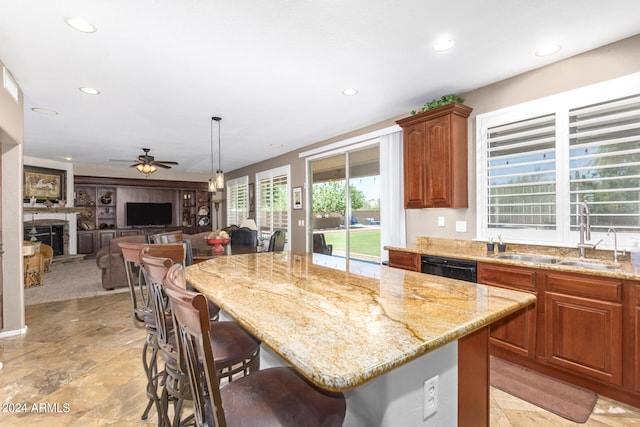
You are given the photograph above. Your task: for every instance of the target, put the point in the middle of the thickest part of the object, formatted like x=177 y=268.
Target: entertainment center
x=115 y=207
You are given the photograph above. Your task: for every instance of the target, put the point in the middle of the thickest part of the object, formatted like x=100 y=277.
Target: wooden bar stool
x=271 y=397
x=235 y=350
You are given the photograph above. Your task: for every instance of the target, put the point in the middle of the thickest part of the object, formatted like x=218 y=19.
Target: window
x=538 y=161
x=272 y=201
x=237 y=200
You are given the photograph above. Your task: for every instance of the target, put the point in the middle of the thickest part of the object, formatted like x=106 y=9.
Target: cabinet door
x=438 y=162
x=636 y=312
x=86 y=242
x=584 y=325
x=104 y=237
x=414 y=167
x=515 y=333
x=405 y=260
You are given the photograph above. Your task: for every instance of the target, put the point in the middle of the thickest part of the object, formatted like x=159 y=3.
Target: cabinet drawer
x=507 y=276
x=405 y=260
x=586 y=286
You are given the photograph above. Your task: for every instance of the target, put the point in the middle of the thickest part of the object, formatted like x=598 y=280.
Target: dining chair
x=270 y=397
x=235 y=350
x=244 y=237
x=277 y=241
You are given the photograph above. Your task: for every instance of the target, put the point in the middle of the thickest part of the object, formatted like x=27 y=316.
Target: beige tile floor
x=80 y=365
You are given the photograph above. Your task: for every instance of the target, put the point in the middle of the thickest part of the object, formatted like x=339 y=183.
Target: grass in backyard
x=365 y=242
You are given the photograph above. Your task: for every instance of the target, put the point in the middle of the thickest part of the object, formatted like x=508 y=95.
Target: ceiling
x=273 y=70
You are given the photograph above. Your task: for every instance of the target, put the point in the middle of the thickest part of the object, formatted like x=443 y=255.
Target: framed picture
x=44 y=184
x=252 y=198
x=297 y=198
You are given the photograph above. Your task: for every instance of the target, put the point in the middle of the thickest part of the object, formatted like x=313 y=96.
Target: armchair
x=320 y=245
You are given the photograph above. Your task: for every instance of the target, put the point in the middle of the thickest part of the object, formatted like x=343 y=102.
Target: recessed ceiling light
x=276 y=145
x=350 y=92
x=89 y=91
x=45 y=111
x=547 y=50
x=80 y=24
x=443 y=44
x=68 y=158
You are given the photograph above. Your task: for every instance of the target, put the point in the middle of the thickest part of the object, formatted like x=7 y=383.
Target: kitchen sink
x=540 y=259
x=590 y=265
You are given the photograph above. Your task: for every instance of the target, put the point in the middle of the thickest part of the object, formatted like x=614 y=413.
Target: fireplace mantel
x=53 y=210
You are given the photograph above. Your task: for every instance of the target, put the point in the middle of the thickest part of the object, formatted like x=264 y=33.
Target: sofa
x=109 y=258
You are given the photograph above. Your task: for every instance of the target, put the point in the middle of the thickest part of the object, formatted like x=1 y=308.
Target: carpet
x=566 y=400
x=67 y=281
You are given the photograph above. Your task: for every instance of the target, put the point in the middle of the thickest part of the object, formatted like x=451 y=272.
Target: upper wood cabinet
x=435 y=158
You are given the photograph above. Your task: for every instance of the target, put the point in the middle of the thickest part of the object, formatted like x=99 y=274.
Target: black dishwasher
x=450 y=267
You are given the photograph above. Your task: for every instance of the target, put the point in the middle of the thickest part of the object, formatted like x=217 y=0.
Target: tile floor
x=80 y=364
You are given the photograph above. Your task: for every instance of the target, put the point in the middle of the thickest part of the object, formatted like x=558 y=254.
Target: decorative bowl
x=217 y=244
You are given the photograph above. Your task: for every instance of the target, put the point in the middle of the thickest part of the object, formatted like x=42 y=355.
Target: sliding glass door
x=345 y=204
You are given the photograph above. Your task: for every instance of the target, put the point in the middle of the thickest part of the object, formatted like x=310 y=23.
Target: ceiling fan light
x=146 y=168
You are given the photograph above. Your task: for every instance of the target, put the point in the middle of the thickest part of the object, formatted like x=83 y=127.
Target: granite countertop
x=472 y=250
x=341 y=329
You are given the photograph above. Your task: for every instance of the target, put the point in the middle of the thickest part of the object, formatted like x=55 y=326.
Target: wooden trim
x=473 y=379
x=132 y=182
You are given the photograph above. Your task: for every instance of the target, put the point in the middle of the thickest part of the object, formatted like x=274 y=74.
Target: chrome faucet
x=585 y=229
x=615 y=244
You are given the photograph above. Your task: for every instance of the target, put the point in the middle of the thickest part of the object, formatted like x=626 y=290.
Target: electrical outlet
x=440 y=221
x=430 y=397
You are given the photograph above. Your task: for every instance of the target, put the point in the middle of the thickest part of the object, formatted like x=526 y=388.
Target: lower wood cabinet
x=515 y=333
x=404 y=260
x=584 y=325
x=636 y=336
x=87 y=242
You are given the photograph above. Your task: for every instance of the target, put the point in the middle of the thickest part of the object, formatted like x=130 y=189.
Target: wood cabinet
x=404 y=260
x=515 y=333
x=636 y=335
x=435 y=158
x=584 y=325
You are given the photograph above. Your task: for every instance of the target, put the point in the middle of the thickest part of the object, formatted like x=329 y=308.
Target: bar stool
x=142 y=312
x=271 y=397
x=235 y=350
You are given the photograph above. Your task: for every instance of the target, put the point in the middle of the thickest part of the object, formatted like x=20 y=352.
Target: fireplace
x=54 y=233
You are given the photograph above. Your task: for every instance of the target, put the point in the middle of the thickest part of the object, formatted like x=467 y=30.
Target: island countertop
x=341 y=329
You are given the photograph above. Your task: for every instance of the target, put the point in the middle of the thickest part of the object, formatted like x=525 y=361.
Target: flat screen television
x=149 y=213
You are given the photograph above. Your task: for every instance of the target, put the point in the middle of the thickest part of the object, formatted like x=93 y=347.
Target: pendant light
x=212 y=182
x=219 y=181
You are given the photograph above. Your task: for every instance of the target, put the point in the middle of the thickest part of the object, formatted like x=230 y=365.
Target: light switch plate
x=461 y=226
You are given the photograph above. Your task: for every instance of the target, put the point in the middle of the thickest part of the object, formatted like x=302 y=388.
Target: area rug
x=566 y=400
x=81 y=279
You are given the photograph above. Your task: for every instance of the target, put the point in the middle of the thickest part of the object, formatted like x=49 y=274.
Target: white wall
x=11 y=138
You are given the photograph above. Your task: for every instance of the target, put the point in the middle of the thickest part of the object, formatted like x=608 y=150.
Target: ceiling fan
x=147 y=164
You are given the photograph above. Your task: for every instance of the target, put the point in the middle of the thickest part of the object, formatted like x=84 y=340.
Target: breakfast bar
x=376 y=333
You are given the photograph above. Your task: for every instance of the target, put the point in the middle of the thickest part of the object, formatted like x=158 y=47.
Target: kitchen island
x=377 y=337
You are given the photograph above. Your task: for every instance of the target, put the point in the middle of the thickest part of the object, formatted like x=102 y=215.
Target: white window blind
x=272 y=201
x=522 y=174
x=604 y=169
x=237 y=200
x=538 y=160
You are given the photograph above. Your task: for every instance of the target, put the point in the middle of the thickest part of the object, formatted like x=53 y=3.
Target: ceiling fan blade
x=161 y=165
x=166 y=162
